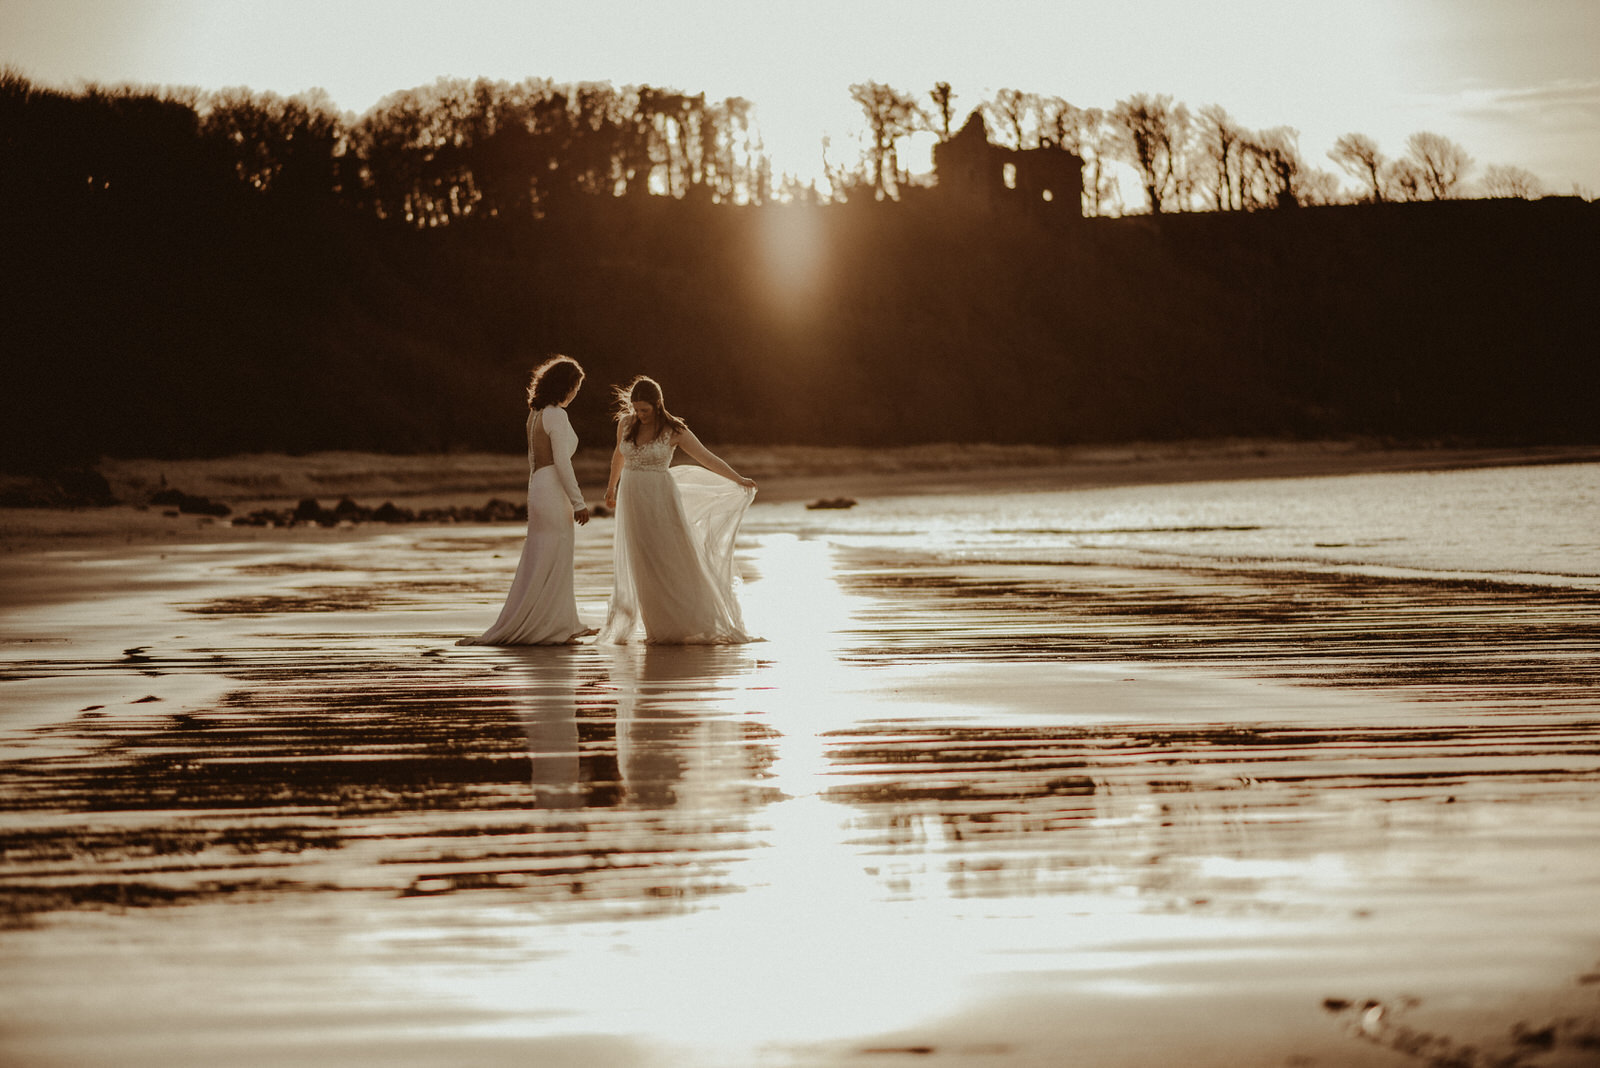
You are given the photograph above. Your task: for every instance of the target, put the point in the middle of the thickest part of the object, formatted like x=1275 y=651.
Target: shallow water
x=1529 y=524
x=258 y=807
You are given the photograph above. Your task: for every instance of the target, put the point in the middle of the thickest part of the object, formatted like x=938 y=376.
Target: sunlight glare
x=792 y=253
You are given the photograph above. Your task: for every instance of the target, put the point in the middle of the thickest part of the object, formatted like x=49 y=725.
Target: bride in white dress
x=675 y=528
x=541 y=608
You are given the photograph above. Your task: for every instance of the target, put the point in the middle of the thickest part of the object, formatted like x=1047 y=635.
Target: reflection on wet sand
x=646 y=727
x=1431 y=638
x=987 y=812
x=631 y=776
x=680 y=738
x=1453 y=711
x=563 y=775
x=652 y=762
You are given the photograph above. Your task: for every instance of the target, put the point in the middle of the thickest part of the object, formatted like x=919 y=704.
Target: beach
x=1244 y=754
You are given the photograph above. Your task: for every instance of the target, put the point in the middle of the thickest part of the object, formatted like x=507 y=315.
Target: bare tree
x=1270 y=168
x=724 y=132
x=601 y=115
x=1050 y=117
x=1501 y=180
x=658 y=109
x=634 y=150
x=891 y=115
x=690 y=120
x=762 y=183
x=684 y=131
x=1010 y=109
x=1222 y=140
x=944 y=108
x=1440 y=162
x=1151 y=135
x=845 y=182
x=1358 y=155
x=1312 y=185
x=1091 y=140
x=1404 y=180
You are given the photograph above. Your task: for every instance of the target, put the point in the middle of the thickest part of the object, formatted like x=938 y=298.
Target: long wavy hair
x=644 y=390
x=553 y=381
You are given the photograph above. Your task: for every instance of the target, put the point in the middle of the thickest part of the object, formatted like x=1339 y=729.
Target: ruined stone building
x=972 y=170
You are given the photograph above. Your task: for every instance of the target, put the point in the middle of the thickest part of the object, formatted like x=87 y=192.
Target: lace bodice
x=648 y=455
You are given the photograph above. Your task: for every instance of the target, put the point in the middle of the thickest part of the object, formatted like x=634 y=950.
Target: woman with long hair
x=675 y=528
x=541 y=608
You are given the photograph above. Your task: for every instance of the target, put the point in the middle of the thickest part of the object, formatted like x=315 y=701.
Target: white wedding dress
x=541 y=608
x=675 y=579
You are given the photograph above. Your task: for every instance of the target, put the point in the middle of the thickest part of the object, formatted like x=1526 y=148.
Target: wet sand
x=255 y=808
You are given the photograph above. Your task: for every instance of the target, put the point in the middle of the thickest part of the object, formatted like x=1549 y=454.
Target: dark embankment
x=181 y=313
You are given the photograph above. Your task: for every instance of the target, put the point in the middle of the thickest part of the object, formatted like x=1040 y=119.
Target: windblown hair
x=644 y=390
x=552 y=381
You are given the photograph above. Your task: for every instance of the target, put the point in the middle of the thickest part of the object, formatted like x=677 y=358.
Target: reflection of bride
x=677 y=744
x=675 y=528
x=674 y=741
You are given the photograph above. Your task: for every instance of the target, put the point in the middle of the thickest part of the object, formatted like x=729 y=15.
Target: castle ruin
x=972 y=170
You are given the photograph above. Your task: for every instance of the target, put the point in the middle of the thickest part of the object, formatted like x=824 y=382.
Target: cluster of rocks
x=311 y=512
x=80 y=488
x=189 y=503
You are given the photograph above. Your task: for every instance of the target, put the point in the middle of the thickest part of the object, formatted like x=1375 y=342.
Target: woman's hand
x=611 y=498
x=581 y=516
x=747 y=483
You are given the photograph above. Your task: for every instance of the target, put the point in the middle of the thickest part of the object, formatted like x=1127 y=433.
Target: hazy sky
x=1513 y=81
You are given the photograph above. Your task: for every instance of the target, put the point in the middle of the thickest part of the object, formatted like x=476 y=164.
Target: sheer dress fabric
x=541 y=608
x=675 y=530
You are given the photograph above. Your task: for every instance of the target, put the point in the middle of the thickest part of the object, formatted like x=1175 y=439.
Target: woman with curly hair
x=541 y=608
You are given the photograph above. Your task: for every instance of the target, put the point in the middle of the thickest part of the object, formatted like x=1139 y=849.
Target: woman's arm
x=690 y=444
x=616 y=469
x=563 y=442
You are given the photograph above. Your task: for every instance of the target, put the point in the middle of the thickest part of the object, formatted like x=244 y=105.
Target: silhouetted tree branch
x=1502 y=180
x=891 y=115
x=943 y=107
x=1221 y=140
x=1152 y=134
x=1271 y=168
x=1010 y=108
x=1358 y=155
x=1404 y=180
x=1440 y=163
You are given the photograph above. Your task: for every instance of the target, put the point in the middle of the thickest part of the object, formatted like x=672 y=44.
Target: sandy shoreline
x=786 y=474
x=255 y=808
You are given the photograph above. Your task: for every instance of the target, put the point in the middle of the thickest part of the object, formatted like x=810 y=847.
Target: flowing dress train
x=541 y=608
x=675 y=529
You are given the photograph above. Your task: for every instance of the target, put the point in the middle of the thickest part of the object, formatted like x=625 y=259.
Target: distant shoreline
x=785 y=473
x=276 y=477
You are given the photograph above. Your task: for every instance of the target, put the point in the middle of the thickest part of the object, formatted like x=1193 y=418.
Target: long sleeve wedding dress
x=541 y=608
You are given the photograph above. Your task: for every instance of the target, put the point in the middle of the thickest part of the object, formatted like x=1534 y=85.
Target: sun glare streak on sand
x=257 y=804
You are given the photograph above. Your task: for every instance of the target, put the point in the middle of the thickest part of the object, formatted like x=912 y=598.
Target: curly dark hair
x=553 y=381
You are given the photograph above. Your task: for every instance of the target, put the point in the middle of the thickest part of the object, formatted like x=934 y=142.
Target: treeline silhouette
x=245 y=272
